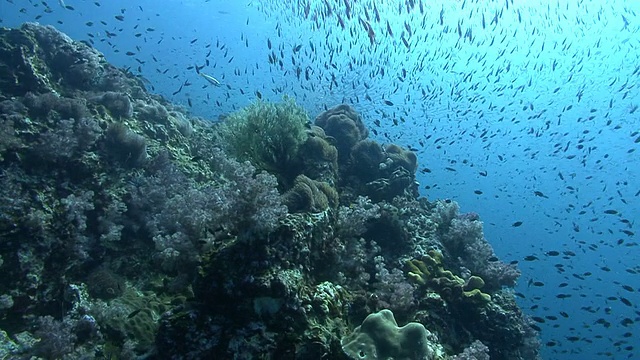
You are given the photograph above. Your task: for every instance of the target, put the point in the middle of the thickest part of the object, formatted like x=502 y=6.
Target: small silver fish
x=210 y=79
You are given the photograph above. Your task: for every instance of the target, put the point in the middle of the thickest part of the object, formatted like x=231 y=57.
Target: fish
x=133 y=313
x=213 y=81
x=540 y=194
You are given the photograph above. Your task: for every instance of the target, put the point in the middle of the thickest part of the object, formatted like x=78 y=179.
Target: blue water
x=541 y=98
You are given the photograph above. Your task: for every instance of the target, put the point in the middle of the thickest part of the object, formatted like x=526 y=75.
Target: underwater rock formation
x=127 y=231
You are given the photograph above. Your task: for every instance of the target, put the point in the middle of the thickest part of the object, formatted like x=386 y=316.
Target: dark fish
x=540 y=194
x=133 y=313
x=516 y=224
x=178 y=91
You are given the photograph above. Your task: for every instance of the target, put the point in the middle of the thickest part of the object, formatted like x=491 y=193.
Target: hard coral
x=379 y=337
x=366 y=157
x=21 y=70
x=41 y=59
x=430 y=272
x=345 y=125
x=309 y=195
x=399 y=157
x=319 y=157
x=118 y=104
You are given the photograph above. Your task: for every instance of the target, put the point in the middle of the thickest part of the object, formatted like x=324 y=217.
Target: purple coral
x=180 y=213
x=476 y=351
x=56 y=338
x=463 y=237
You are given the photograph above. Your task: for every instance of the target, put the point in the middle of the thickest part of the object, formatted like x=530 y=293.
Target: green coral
x=266 y=134
x=379 y=337
x=430 y=272
x=133 y=316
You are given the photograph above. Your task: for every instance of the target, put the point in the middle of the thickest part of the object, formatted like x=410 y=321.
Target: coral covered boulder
x=37 y=58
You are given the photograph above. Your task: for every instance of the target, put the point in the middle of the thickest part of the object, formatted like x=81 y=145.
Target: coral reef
x=366 y=167
x=132 y=230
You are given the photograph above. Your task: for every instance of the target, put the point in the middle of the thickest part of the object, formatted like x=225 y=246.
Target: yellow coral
x=429 y=271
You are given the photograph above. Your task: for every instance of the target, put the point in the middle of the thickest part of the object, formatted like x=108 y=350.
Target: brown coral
x=345 y=125
x=401 y=157
x=366 y=157
x=308 y=195
x=319 y=157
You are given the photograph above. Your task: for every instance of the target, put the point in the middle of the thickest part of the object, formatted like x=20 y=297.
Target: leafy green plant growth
x=266 y=134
